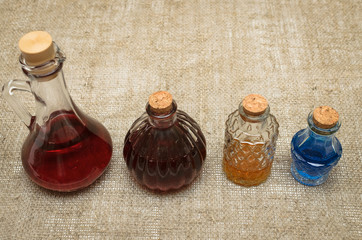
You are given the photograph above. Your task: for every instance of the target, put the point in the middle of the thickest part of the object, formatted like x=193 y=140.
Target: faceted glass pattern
x=315 y=152
x=249 y=147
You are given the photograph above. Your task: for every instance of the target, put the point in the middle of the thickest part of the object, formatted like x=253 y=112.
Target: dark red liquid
x=66 y=154
x=164 y=159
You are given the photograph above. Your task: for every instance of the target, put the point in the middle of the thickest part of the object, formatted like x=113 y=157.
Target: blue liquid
x=313 y=156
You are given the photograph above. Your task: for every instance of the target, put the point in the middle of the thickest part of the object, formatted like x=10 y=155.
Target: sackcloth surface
x=208 y=55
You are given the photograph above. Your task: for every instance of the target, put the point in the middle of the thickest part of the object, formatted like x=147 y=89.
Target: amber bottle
x=250 y=140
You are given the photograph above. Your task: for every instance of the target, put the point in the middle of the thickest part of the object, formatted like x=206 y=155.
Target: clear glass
x=164 y=152
x=249 y=148
x=315 y=151
x=65 y=150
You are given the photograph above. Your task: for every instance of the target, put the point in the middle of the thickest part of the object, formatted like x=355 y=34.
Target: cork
x=325 y=117
x=254 y=104
x=37 y=47
x=160 y=102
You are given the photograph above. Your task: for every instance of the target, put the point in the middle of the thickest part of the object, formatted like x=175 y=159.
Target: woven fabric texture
x=208 y=55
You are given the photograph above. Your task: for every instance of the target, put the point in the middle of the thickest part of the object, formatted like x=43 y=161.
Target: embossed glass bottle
x=65 y=150
x=165 y=148
x=315 y=150
x=250 y=141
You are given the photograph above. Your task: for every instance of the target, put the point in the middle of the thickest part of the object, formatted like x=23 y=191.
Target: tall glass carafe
x=65 y=150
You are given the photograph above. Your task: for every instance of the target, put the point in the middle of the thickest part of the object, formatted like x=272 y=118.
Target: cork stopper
x=325 y=117
x=254 y=104
x=160 y=102
x=37 y=47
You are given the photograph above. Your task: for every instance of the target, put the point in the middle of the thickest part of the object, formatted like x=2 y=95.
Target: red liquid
x=164 y=159
x=66 y=155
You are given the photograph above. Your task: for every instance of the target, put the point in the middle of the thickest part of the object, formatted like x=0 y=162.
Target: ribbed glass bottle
x=165 y=148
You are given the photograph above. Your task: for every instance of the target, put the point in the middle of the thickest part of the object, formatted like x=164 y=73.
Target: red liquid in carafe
x=66 y=154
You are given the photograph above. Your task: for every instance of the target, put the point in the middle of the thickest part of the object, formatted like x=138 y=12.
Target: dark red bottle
x=165 y=148
x=65 y=150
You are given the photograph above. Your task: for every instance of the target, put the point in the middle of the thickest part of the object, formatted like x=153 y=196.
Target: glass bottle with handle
x=65 y=150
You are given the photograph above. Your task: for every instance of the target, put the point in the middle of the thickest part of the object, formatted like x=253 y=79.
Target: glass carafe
x=65 y=150
x=165 y=148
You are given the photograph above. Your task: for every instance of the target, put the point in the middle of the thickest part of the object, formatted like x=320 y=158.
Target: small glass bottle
x=65 y=150
x=315 y=150
x=250 y=141
x=165 y=148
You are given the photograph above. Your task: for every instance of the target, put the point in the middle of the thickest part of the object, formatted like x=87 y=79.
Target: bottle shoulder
x=181 y=137
x=316 y=148
x=256 y=132
x=181 y=118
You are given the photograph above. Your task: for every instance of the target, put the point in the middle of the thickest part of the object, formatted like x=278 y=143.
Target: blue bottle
x=315 y=150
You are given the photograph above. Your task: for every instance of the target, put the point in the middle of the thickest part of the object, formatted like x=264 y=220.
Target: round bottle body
x=165 y=156
x=66 y=153
x=314 y=156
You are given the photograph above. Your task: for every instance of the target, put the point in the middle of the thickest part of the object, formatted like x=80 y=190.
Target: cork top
x=254 y=104
x=37 y=47
x=325 y=117
x=160 y=102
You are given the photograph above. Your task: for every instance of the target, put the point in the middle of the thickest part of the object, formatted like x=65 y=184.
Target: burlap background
x=208 y=54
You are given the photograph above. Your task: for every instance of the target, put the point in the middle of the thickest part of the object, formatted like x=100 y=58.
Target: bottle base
x=70 y=187
x=170 y=184
x=306 y=179
x=244 y=183
x=246 y=178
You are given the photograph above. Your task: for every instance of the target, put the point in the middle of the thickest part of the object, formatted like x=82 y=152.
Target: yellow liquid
x=246 y=164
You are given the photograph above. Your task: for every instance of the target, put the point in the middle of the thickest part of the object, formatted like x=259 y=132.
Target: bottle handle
x=19 y=108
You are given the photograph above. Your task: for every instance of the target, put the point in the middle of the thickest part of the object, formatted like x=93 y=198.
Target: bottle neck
x=258 y=121
x=321 y=133
x=48 y=86
x=162 y=120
